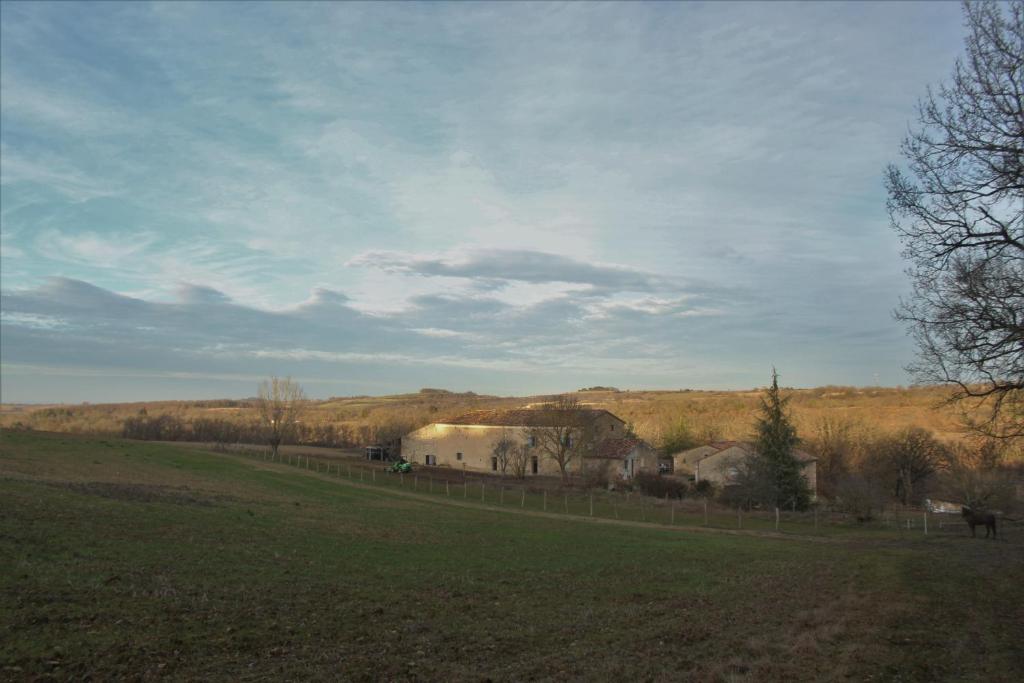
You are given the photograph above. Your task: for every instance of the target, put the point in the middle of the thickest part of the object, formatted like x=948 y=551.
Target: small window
x=458 y=456
x=613 y=428
x=534 y=464
x=533 y=440
x=494 y=464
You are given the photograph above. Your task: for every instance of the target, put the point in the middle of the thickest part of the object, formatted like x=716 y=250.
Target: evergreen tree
x=785 y=485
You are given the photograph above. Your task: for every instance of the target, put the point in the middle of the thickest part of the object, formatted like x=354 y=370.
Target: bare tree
x=519 y=458
x=566 y=434
x=835 y=446
x=908 y=459
x=972 y=473
x=279 y=403
x=388 y=432
x=959 y=211
x=503 y=451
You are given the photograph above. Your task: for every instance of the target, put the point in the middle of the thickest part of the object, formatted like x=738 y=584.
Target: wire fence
x=631 y=506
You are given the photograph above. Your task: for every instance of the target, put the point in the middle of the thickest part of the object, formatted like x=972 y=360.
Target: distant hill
x=353 y=421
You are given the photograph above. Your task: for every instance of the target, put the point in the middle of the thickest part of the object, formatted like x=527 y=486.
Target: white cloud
x=91 y=248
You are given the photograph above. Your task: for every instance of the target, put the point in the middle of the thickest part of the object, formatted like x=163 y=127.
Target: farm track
x=426 y=498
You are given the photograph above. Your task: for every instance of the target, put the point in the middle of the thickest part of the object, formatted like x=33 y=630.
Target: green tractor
x=400 y=466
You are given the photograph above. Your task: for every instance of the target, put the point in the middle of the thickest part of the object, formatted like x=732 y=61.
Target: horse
x=976 y=518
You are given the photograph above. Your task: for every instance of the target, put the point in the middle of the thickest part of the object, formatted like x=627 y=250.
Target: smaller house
x=717 y=462
x=622 y=458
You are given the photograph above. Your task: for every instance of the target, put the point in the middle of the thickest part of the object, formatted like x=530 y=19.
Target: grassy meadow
x=122 y=559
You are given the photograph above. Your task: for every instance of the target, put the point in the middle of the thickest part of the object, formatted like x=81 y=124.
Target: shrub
x=704 y=488
x=860 y=496
x=659 y=486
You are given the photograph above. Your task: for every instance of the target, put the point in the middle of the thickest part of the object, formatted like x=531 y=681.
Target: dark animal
x=976 y=518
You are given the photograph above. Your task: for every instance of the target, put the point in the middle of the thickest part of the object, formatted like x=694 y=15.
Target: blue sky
x=505 y=198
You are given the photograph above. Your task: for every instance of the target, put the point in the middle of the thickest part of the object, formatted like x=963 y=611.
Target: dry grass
x=359 y=420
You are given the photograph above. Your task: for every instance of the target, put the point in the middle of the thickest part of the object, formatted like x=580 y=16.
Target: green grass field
x=121 y=559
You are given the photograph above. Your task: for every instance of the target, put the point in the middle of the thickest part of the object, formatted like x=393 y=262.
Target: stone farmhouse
x=717 y=462
x=467 y=442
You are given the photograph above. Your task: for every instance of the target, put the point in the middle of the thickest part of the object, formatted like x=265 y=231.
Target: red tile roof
x=615 y=448
x=799 y=454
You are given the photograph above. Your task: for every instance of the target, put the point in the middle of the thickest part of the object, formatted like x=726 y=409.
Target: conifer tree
x=785 y=485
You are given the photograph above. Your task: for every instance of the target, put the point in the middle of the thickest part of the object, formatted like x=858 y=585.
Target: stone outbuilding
x=718 y=463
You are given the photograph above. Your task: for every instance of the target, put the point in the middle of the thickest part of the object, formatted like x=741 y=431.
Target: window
x=430 y=460
x=533 y=440
x=458 y=456
x=494 y=464
x=612 y=428
x=534 y=464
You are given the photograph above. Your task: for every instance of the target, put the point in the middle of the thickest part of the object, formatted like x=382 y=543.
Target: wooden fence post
x=566 y=503
x=447 y=489
x=591 y=503
x=739 y=517
x=776 y=518
x=348 y=468
x=673 y=520
x=483 y=491
x=815 y=519
x=501 y=496
x=522 y=502
x=373 y=473
x=545 y=500
x=925 y=514
x=705 y=512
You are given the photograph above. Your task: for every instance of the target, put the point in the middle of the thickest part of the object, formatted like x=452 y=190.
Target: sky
x=508 y=198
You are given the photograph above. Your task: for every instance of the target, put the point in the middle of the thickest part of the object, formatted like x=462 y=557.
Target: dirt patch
x=141 y=493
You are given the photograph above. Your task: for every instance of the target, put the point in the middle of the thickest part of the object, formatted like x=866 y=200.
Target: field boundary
x=426 y=498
